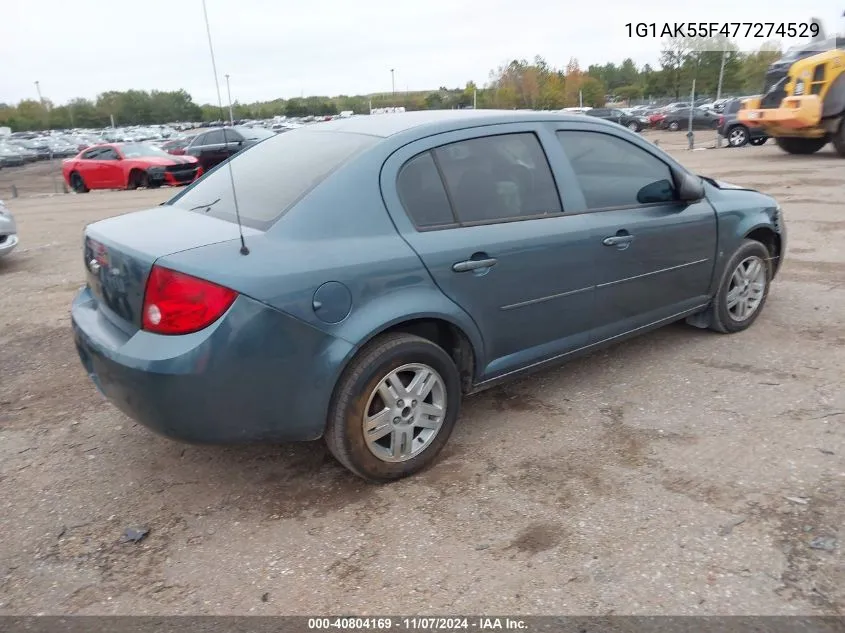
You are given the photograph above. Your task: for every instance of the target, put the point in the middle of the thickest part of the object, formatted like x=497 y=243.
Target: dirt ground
x=684 y=472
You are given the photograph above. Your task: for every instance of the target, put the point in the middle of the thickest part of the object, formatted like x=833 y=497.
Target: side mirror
x=655 y=192
x=690 y=187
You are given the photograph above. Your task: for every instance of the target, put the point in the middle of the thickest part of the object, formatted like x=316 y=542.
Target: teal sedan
x=354 y=280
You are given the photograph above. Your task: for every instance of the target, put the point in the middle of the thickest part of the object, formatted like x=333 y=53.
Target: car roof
x=390 y=124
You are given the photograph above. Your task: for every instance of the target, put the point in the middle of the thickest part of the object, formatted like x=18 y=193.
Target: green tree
x=672 y=59
x=753 y=67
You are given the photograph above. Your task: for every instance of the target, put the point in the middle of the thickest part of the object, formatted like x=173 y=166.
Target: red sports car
x=128 y=166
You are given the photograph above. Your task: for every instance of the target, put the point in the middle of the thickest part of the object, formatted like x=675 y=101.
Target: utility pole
x=690 y=135
x=229 y=92
x=719 y=91
x=38 y=88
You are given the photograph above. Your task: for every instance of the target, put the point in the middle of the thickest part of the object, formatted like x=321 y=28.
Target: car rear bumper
x=256 y=375
x=8 y=243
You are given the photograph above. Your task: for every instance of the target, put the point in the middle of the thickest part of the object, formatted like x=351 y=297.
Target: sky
x=331 y=47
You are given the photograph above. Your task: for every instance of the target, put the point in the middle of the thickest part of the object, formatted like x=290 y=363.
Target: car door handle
x=617 y=240
x=473 y=264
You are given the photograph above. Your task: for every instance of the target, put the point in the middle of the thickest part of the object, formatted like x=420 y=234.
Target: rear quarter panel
x=340 y=232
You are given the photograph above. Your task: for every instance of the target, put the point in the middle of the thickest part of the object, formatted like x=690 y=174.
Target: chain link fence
x=31 y=179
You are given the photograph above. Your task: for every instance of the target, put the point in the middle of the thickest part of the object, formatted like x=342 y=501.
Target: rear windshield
x=271 y=176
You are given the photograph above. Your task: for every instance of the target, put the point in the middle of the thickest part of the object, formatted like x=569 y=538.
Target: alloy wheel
x=404 y=412
x=746 y=289
x=737 y=137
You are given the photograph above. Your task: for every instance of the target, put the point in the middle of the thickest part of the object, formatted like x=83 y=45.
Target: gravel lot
x=684 y=472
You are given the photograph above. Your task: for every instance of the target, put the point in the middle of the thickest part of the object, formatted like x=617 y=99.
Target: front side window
x=498 y=178
x=213 y=138
x=232 y=136
x=615 y=173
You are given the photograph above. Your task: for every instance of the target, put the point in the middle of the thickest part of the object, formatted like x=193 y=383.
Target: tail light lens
x=721 y=120
x=176 y=303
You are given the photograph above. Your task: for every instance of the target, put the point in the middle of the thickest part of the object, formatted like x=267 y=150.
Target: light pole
x=719 y=91
x=229 y=92
x=38 y=88
x=393 y=82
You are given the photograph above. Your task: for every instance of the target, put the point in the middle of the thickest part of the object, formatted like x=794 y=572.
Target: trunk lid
x=120 y=251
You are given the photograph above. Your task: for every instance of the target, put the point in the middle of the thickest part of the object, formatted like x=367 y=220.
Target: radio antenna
x=244 y=249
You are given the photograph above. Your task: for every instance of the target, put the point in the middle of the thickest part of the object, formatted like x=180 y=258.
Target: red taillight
x=176 y=303
x=721 y=120
x=177 y=151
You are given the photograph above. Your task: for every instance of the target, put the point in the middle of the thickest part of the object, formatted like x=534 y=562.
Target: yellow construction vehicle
x=803 y=102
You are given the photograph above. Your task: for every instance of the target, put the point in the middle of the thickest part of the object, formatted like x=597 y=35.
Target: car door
x=481 y=209
x=88 y=167
x=657 y=254
x=234 y=142
x=109 y=169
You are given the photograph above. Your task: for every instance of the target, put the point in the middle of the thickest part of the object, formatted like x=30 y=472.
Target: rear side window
x=498 y=178
x=615 y=173
x=422 y=193
x=272 y=176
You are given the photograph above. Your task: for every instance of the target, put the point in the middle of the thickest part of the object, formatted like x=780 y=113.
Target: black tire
x=344 y=434
x=634 y=126
x=839 y=138
x=722 y=319
x=77 y=184
x=759 y=140
x=137 y=178
x=738 y=136
x=795 y=145
x=674 y=126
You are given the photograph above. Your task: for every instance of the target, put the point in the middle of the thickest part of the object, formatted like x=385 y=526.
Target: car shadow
x=297 y=480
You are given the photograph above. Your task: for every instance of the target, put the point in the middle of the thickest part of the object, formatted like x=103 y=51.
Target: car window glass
x=498 y=177
x=614 y=173
x=108 y=154
x=422 y=193
x=92 y=154
x=232 y=136
x=212 y=138
x=272 y=176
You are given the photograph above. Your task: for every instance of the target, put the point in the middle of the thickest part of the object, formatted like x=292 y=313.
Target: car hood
x=721 y=184
x=166 y=161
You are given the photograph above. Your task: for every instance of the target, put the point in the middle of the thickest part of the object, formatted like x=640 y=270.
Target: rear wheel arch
x=440 y=331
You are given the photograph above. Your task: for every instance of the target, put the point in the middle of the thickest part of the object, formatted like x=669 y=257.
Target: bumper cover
x=794 y=114
x=255 y=375
x=8 y=244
